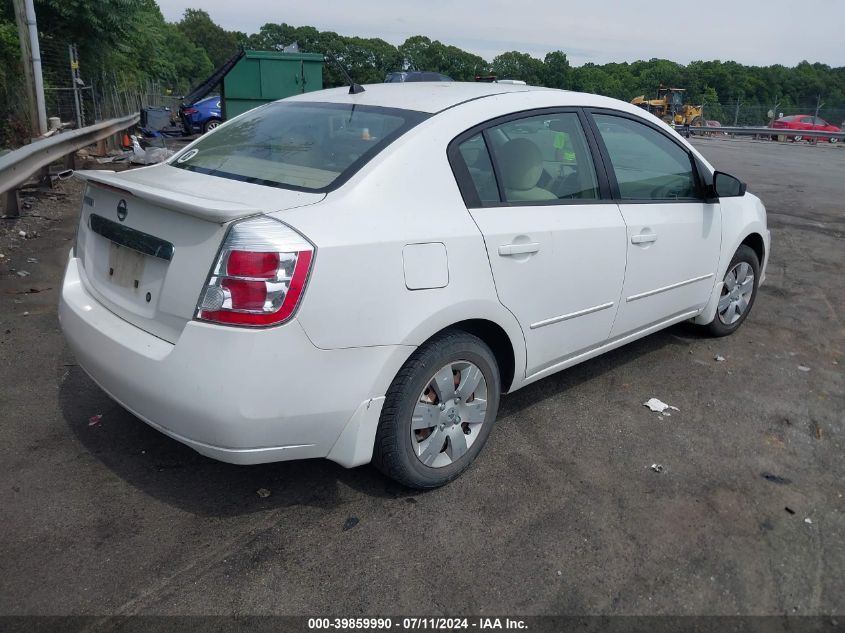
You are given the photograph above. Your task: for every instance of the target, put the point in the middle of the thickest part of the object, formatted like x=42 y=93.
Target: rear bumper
x=237 y=395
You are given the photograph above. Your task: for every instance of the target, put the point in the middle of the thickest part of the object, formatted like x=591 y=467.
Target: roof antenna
x=354 y=88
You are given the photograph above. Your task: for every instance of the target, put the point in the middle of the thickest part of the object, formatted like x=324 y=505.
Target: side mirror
x=727 y=186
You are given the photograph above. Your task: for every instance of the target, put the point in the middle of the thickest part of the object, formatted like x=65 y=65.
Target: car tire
x=211 y=124
x=734 y=305
x=414 y=442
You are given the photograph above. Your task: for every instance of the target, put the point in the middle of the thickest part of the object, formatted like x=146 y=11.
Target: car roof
x=431 y=97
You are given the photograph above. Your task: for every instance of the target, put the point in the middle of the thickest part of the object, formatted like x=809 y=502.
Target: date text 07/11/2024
x=416 y=623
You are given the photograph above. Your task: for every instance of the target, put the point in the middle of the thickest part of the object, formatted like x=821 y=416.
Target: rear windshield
x=302 y=146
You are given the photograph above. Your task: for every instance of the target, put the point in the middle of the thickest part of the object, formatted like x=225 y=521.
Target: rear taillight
x=259 y=276
x=190 y=111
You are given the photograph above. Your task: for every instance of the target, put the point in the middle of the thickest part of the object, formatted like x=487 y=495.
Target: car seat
x=521 y=163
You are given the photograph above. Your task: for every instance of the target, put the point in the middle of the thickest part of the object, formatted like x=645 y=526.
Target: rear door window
x=544 y=157
x=538 y=159
x=297 y=145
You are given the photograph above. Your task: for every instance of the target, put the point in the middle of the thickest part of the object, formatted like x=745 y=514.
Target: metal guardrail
x=768 y=132
x=20 y=165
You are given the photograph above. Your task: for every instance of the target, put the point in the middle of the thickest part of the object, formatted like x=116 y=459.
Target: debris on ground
x=22 y=273
x=116 y=158
x=808 y=521
x=350 y=523
x=149 y=156
x=28 y=291
x=719 y=359
x=775 y=479
x=659 y=406
x=789 y=510
x=31 y=260
x=803 y=368
x=22 y=233
x=559 y=573
x=658 y=468
x=263 y=493
x=26 y=313
x=95 y=419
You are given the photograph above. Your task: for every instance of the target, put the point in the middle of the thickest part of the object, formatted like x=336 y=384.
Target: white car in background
x=360 y=277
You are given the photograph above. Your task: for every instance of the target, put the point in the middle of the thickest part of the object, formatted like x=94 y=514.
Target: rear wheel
x=738 y=292
x=438 y=412
x=211 y=124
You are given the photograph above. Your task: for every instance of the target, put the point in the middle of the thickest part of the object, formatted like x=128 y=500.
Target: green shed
x=262 y=76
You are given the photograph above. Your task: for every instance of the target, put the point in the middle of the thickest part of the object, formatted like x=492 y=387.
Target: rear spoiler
x=213 y=210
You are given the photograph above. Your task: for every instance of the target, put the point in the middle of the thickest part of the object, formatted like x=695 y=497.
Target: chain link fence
x=75 y=95
x=79 y=97
x=733 y=113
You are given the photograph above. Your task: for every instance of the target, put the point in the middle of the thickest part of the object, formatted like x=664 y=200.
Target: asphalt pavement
x=561 y=514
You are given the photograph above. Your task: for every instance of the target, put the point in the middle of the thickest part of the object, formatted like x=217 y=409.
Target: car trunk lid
x=148 y=238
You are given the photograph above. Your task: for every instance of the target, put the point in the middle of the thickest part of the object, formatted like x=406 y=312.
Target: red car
x=805 y=122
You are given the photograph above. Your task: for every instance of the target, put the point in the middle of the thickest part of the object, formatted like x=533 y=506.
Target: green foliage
x=91 y=24
x=420 y=53
x=190 y=63
x=128 y=41
x=13 y=117
x=557 y=72
x=516 y=65
x=200 y=29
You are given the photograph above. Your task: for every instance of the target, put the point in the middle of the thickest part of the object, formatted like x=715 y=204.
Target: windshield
x=302 y=146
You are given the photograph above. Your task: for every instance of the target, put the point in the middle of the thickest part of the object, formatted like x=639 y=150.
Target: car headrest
x=521 y=162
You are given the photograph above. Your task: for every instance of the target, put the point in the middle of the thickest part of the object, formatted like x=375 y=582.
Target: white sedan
x=360 y=276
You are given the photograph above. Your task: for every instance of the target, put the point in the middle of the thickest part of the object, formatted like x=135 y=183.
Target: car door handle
x=506 y=250
x=643 y=238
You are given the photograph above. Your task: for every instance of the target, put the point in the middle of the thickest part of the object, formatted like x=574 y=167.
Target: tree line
x=129 y=41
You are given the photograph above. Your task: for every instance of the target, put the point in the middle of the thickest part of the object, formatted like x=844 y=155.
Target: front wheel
x=438 y=412
x=739 y=289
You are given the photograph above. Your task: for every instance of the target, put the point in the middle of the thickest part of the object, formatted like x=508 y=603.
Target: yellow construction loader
x=670 y=107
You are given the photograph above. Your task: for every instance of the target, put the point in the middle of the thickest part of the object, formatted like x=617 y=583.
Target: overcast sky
x=759 y=32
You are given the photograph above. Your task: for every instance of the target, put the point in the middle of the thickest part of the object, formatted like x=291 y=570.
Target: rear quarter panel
x=357 y=293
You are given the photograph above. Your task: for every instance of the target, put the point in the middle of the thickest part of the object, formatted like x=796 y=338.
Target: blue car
x=202 y=116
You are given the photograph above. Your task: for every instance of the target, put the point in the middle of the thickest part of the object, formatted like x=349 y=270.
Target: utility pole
x=736 y=112
x=31 y=61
